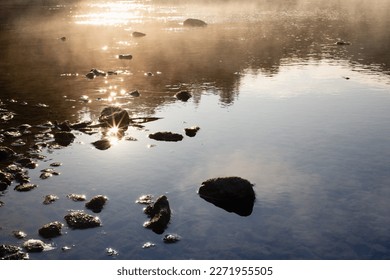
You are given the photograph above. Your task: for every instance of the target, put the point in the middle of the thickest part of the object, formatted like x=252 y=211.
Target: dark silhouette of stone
x=51 y=230
x=192 y=22
x=191 y=131
x=171 y=238
x=233 y=194
x=97 y=203
x=6 y=153
x=115 y=116
x=64 y=138
x=138 y=34
x=25 y=187
x=102 y=144
x=159 y=213
x=81 y=220
x=50 y=198
x=125 y=56
x=183 y=95
x=166 y=136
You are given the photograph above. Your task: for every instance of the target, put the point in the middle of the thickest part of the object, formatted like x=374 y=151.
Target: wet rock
x=45 y=175
x=25 y=187
x=115 y=116
x=1 y=203
x=159 y=213
x=183 y=95
x=138 y=34
x=11 y=252
x=50 y=198
x=343 y=43
x=111 y=252
x=81 y=220
x=76 y=197
x=63 y=126
x=22 y=177
x=233 y=194
x=166 y=136
x=171 y=238
x=97 y=203
x=6 y=153
x=192 y=22
x=55 y=164
x=64 y=138
x=6 y=178
x=134 y=93
x=102 y=144
x=19 y=234
x=125 y=56
x=51 y=230
x=36 y=245
x=191 y=131
x=94 y=73
x=66 y=248
x=27 y=162
x=148 y=245
x=145 y=199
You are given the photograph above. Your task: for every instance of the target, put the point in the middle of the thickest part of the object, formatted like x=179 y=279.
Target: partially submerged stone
x=138 y=34
x=171 y=238
x=191 y=131
x=25 y=187
x=193 y=22
x=50 y=198
x=115 y=116
x=145 y=199
x=81 y=220
x=159 y=213
x=97 y=203
x=51 y=230
x=233 y=194
x=64 y=138
x=76 y=197
x=11 y=252
x=102 y=144
x=6 y=153
x=36 y=245
x=94 y=73
x=19 y=234
x=166 y=136
x=125 y=56
x=183 y=95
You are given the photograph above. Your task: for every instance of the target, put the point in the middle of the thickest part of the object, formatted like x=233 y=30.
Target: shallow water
x=277 y=103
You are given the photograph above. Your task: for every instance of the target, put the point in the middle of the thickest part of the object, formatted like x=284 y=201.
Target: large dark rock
x=159 y=213
x=6 y=153
x=166 y=136
x=192 y=22
x=81 y=220
x=183 y=95
x=97 y=203
x=51 y=230
x=233 y=194
x=114 y=116
x=64 y=138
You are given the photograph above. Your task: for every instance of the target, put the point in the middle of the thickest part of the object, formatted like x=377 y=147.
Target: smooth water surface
x=278 y=102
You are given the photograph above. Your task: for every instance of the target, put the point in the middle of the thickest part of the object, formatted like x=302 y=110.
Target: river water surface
x=278 y=103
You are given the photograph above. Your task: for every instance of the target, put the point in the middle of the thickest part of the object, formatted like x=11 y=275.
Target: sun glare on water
x=112 y=13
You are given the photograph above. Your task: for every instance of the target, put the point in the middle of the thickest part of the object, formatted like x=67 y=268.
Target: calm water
x=278 y=103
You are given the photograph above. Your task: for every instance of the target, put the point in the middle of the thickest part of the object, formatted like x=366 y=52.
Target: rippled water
x=277 y=103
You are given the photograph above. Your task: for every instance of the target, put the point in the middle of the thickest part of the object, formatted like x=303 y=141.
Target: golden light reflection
x=112 y=13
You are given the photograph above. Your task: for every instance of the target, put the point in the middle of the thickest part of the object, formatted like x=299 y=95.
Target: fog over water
x=291 y=95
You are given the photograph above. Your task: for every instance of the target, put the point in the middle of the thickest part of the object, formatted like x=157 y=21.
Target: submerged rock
x=183 y=95
x=115 y=116
x=159 y=213
x=97 y=203
x=233 y=194
x=134 y=93
x=51 y=230
x=64 y=138
x=81 y=220
x=111 y=252
x=343 y=43
x=166 y=136
x=94 y=73
x=138 y=34
x=192 y=22
x=191 y=131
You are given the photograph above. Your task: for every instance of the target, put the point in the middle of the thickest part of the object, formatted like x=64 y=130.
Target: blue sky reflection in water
x=278 y=103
